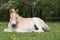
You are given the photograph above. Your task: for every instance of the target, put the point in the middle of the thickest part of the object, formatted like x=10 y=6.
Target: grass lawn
x=53 y=34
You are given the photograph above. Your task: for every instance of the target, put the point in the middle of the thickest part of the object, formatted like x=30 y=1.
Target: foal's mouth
x=13 y=25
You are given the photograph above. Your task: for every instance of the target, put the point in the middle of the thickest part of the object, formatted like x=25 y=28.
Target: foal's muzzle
x=13 y=25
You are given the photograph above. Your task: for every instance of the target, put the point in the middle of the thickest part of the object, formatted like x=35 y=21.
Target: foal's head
x=13 y=16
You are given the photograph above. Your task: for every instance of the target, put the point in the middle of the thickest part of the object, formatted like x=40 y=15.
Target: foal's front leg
x=9 y=29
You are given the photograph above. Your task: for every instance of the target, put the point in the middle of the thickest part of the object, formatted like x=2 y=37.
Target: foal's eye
x=16 y=17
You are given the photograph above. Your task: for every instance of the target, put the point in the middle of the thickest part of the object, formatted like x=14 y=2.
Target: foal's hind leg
x=38 y=29
x=40 y=24
x=36 y=22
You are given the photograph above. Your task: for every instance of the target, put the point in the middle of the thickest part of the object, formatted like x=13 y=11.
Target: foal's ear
x=11 y=10
x=17 y=11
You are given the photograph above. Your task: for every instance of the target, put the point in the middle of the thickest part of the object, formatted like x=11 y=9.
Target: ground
x=53 y=34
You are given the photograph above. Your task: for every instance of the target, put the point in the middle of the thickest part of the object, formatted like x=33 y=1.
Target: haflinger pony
x=20 y=24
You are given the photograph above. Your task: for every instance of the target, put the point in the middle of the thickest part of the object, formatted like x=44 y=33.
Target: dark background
x=48 y=10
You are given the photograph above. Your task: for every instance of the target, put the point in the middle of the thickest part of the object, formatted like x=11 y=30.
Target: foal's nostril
x=13 y=25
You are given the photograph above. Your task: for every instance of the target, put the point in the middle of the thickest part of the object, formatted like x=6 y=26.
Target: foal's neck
x=20 y=16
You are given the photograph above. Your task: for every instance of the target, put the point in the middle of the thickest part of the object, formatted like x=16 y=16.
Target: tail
x=40 y=24
x=45 y=27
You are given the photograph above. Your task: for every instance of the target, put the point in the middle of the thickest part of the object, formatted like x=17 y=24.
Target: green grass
x=53 y=34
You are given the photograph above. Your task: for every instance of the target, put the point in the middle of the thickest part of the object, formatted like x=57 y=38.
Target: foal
x=12 y=22
x=20 y=24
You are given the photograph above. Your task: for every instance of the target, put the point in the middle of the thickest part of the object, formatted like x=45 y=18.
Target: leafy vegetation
x=45 y=9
